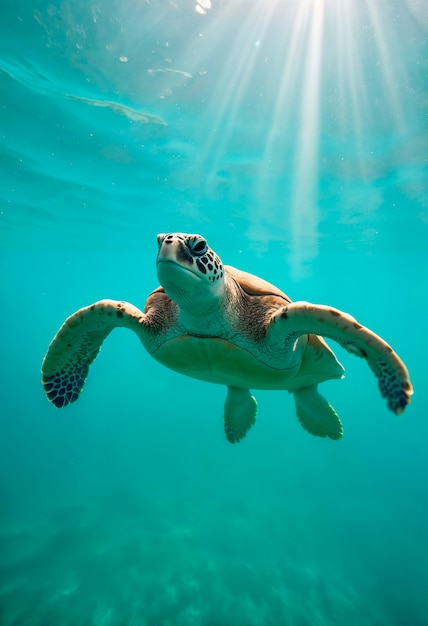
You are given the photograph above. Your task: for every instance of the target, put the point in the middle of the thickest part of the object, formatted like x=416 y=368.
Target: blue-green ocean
x=293 y=135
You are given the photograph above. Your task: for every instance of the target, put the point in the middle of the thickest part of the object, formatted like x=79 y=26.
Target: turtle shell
x=253 y=285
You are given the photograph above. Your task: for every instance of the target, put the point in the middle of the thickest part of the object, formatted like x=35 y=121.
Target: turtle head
x=188 y=269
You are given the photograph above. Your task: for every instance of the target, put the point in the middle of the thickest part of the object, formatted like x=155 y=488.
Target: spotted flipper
x=300 y=318
x=240 y=411
x=77 y=343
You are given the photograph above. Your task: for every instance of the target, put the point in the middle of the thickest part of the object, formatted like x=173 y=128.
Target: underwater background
x=292 y=134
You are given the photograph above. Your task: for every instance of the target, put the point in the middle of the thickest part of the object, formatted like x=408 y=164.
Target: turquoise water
x=293 y=135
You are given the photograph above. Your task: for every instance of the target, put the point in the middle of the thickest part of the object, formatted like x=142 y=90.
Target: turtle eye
x=198 y=246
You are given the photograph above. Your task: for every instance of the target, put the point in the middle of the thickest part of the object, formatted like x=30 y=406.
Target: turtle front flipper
x=77 y=343
x=240 y=411
x=299 y=318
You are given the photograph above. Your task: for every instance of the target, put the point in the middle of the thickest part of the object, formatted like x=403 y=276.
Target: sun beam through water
x=304 y=73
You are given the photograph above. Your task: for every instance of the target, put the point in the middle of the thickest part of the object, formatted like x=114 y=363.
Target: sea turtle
x=216 y=323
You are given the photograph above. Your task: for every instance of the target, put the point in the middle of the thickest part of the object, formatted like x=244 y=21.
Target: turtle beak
x=173 y=248
x=175 y=268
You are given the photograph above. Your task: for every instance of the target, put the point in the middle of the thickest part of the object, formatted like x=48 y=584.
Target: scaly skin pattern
x=215 y=311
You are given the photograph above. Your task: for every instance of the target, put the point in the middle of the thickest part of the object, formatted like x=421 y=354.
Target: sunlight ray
x=304 y=197
x=390 y=66
x=354 y=108
x=277 y=153
x=302 y=89
x=233 y=85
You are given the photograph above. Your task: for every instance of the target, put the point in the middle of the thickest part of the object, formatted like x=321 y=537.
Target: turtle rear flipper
x=240 y=411
x=317 y=415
